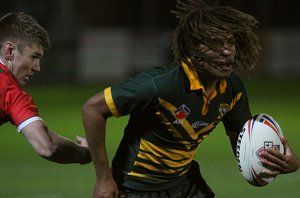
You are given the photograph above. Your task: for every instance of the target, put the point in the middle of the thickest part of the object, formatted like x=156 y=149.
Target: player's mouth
x=225 y=67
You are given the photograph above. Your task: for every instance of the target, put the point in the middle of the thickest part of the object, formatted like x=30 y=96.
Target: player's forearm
x=94 y=124
x=101 y=163
x=94 y=114
x=98 y=152
x=67 y=151
x=96 y=139
x=52 y=146
x=233 y=136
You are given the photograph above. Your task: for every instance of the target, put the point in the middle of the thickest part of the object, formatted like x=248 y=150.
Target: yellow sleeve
x=110 y=102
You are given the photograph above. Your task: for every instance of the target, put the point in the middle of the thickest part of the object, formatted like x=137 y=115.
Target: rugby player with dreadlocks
x=173 y=109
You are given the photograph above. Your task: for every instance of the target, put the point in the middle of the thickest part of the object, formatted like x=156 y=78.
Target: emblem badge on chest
x=223 y=108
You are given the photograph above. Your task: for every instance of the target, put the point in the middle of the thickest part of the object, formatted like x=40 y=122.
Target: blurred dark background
x=110 y=40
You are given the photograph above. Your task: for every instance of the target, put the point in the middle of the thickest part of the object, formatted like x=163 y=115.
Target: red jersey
x=16 y=106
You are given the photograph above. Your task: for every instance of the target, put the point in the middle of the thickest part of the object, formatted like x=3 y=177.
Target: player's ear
x=8 y=50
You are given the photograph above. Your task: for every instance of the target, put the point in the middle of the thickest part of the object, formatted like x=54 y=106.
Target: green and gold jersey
x=169 y=116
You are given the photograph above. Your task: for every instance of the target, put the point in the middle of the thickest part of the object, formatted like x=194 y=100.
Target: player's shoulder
x=160 y=71
x=161 y=80
x=158 y=76
x=146 y=82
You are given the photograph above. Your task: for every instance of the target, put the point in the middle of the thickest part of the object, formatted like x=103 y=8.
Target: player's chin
x=222 y=74
x=22 y=83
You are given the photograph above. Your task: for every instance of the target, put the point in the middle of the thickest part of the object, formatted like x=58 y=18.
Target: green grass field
x=23 y=174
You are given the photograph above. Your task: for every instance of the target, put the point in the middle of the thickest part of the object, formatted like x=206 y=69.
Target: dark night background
x=139 y=32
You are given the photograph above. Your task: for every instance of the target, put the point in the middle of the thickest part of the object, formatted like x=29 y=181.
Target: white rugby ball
x=258 y=133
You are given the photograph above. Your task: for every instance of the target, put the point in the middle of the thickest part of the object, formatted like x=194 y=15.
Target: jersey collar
x=195 y=83
x=2 y=67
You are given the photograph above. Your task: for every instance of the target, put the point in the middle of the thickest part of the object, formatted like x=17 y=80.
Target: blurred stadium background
x=99 y=42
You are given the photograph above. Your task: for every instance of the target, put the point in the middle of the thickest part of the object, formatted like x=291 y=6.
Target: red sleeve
x=16 y=105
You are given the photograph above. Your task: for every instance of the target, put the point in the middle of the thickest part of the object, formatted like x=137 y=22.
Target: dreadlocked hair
x=210 y=26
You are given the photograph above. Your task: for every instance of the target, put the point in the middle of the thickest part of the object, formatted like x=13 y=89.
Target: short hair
x=23 y=29
x=201 y=24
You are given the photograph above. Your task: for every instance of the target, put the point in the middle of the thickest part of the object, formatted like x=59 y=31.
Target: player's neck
x=208 y=83
x=210 y=88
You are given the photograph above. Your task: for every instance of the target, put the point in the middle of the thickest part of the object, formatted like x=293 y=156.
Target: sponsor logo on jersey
x=178 y=122
x=199 y=124
x=182 y=112
x=223 y=108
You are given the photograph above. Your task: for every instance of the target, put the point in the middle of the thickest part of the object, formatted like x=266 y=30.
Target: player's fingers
x=82 y=141
x=270 y=165
x=274 y=164
x=79 y=139
x=287 y=148
x=275 y=160
x=274 y=154
x=266 y=173
x=283 y=140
